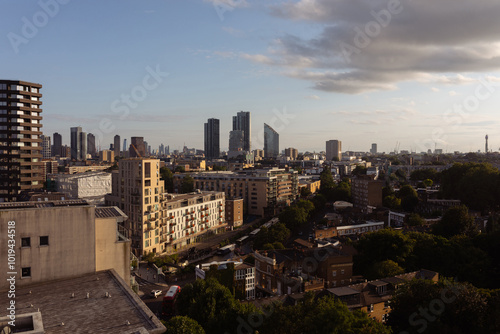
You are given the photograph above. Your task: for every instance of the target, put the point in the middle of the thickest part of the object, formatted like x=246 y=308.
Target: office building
x=57 y=146
x=334 y=150
x=46 y=149
x=91 y=149
x=292 y=153
x=83 y=146
x=373 y=150
x=116 y=145
x=242 y=122
x=271 y=142
x=125 y=145
x=236 y=143
x=137 y=148
x=212 y=139
x=20 y=141
x=75 y=143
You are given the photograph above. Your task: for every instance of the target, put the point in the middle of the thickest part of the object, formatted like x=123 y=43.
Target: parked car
x=156 y=293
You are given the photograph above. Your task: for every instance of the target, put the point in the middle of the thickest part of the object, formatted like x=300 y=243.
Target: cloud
x=452 y=93
x=228 y=3
x=435 y=90
x=234 y=32
x=313 y=97
x=362 y=46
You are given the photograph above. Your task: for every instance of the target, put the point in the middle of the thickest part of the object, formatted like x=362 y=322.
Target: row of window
x=43 y=241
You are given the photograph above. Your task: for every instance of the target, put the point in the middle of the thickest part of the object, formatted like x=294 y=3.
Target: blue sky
x=428 y=77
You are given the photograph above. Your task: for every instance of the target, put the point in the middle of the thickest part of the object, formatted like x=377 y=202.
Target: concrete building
x=137 y=148
x=98 y=303
x=242 y=122
x=46 y=149
x=61 y=239
x=91 y=149
x=136 y=189
x=366 y=192
x=107 y=156
x=187 y=218
x=334 y=150
x=234 y=212
x=263 y=191
x=292 y=153
x=116 y=146
x=236 y=143
x=20 y=141
x=271 y=142
x=212 y=138
x=57 y=146
x=76 y=143
x=373 y=150
x=92 y=186
x=85 y=169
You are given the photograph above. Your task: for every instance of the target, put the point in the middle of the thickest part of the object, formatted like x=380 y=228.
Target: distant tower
x=486 y=144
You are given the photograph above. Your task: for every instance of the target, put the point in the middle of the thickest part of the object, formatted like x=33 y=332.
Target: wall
x=71 y=249
x=109 y=252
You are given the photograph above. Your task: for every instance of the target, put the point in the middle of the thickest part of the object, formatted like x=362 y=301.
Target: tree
x=307 y=205
x=409 y=198
x=187 y=184
x=428 y=183
x=391 y=202
x=278 y=233
x=359 y=170
x=326 y=179
x=305 y=192
x=456 y=221
x=415 y=220
x=183 y=325
x=423 y=174
x=444 y=307
x=293 y=217
x=384 y=269
x=180 y=169
x=167 y=176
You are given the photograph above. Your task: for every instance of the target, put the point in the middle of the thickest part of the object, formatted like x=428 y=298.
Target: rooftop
x=65 y=308
x=44 y=204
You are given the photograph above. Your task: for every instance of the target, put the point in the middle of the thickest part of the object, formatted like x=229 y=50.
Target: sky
x=416 y=75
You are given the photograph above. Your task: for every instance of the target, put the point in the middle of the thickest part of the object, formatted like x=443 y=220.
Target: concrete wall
x=109 y=251
x=71 y=249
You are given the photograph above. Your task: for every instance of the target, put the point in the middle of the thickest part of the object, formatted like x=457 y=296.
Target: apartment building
x=366 y=192
x=187 y=218
x=136 y=190
x=234 y=212
x=20 y=138
x=263 y=191
x=61 y=239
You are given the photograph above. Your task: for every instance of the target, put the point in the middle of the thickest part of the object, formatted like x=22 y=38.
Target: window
x=342 y=272
x=25 y=242
x=370 y=308
x=44 y=241
x=26 y=272
x=334 y=273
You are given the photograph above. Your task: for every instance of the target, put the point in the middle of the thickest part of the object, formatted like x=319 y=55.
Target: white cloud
x=422 y=41
x=435 y=90
x=229 y=3
x=313 y=97
x=452 y=93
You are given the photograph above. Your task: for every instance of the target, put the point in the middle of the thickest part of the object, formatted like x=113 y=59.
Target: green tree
x=445 y=307
x=180 y=169
x=392 y=202
x=423 y=174
x=293 y=217
x=183 y=325
x=167 y=176
x=409 y=198
x=326 y=179
x=305 y=204
x=305 y=192
x=456 y=221
x=384 y=269
x=359 y=170
x=415 y=220
x=187 y=184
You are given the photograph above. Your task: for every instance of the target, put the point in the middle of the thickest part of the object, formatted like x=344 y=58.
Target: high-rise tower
x=212 y=138
x=20 y=142
x=271 y=142
x=241 y=122
x=486 y=144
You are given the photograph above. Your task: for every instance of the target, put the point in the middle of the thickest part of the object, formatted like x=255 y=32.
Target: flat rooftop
x=123 y=312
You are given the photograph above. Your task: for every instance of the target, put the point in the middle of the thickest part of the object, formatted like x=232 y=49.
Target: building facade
x=91 y=149
x=137 y=148
x=234 y=212
x=46 y=149
x=242 y=122
x=333 y=150
x=57 y=145
x=62 y=239
x=212 y=138
x=292 y=153
x=263 y=191
x=116 y=145
x=20 y=141
x=271 y=142
x=366 y=192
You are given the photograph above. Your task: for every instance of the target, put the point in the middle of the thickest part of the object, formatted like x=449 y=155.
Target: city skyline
x=312 y=70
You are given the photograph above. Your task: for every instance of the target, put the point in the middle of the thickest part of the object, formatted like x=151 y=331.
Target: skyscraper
x=57 y=147
x=20 y=155
x=75 y=143
x=235 y=143
x=242 y=122
x=137 y=148
x=486 y=144
x=116 y=142
x=334 y=150
x=45 y=147
x=271 y=142
x=91 y=149
x=83 y=146
x=212 y=138
x=125 y=145
x=373 y=149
